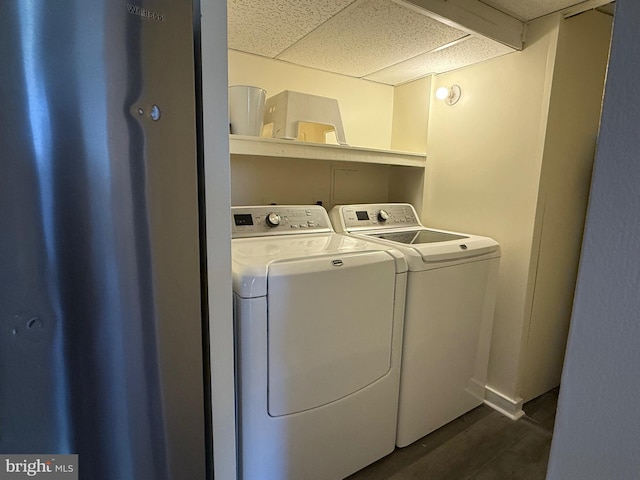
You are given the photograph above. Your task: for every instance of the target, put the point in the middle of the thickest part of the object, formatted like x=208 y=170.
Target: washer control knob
x=273 y=219
x=383 y=216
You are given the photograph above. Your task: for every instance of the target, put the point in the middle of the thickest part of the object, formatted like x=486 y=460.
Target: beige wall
x=411 y=105
x=260 y=181
x=512 y=160
x=483 y=169
x=574 y=114
x=366 y=107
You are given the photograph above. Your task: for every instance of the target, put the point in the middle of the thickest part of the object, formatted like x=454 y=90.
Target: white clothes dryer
x=318 y=322
x=448 y=315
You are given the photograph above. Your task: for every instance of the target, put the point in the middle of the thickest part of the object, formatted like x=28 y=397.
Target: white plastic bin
x=246 y=109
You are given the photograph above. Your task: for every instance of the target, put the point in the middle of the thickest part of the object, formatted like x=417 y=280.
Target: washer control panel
x=259 y=221
x=379 y=215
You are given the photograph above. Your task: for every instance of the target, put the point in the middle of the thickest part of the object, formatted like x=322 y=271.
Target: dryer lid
x=251 y=257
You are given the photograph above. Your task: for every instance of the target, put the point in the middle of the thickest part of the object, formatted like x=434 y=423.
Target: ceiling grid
x=386 y=41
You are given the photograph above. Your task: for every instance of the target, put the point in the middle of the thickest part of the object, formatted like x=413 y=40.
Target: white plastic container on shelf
x=300 y=116
x=246 y=109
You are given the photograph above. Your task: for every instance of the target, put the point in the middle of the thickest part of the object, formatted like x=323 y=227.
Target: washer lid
x=415 y=237
x=251 y=257
x=426 y=248
x=397 y=225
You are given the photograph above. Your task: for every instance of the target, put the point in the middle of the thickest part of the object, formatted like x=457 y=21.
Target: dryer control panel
x=260 y=221
x=377 y=216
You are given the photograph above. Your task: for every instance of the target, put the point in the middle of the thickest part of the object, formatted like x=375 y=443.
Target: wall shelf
x=278 y=148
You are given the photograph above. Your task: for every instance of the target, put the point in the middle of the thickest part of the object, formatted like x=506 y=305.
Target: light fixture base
x=455 y=92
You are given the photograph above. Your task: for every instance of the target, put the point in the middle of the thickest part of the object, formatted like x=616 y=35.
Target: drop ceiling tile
x=530 y=9
x=267 y=27
x=368 y=36
x=466 y=52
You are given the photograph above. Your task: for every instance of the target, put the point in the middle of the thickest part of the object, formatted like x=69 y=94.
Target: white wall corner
x=509 y=407
x=213 y=33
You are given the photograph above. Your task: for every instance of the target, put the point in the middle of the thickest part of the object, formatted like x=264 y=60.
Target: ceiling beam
x=472 y=16
x=583 y=7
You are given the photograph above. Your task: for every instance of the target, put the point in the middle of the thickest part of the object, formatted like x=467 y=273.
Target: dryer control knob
x=383 y=216
x=273 y=219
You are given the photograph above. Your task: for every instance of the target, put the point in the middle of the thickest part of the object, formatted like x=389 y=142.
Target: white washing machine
x=448 y=316
x=318 y=320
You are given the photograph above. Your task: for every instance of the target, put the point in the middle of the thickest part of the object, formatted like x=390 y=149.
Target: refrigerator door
x=100 y=314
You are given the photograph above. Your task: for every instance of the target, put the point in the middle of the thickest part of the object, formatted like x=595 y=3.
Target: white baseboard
x=509 y=407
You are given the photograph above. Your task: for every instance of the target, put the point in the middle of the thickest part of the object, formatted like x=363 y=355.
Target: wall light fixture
x=450 y=95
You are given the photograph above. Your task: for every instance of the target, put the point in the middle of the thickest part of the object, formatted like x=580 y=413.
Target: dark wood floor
x=481 y=445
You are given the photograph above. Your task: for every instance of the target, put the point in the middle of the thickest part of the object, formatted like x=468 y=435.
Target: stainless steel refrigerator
x=101 y=340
